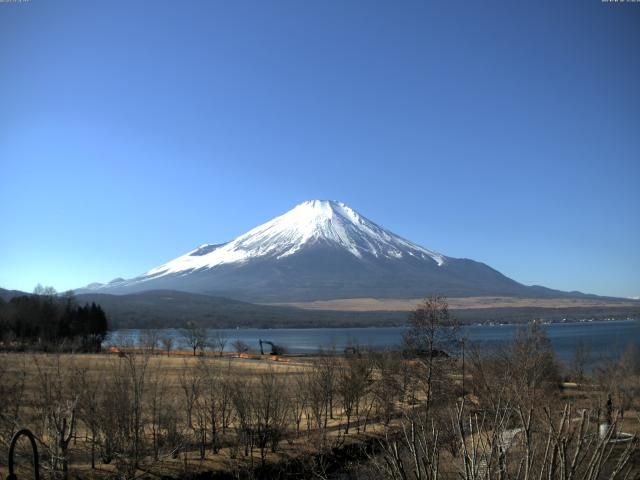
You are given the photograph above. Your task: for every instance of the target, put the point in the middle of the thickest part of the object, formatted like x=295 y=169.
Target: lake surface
x=604 y=339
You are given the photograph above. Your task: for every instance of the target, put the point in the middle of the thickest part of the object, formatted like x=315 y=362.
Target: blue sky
x=506 y=132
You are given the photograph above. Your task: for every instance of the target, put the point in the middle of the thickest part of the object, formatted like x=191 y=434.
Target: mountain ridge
x=172 y=309
x=323 y=250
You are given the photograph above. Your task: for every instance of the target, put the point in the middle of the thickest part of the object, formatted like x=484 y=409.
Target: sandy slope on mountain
x=403 y=304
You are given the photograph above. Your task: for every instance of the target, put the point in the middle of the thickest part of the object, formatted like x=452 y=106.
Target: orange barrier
x=189 y=353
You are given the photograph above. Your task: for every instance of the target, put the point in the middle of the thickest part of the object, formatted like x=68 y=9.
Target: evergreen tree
x=47 y=319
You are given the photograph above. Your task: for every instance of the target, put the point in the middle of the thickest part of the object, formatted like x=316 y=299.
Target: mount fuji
x=322 y=250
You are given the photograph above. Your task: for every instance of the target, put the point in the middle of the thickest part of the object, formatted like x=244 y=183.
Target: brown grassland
x=462 y=303
x=424 y=413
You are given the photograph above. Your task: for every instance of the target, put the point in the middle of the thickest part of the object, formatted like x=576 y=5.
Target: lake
x=605 y=339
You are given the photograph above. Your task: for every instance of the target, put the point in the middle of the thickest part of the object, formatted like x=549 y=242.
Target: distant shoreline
x=172 y=309
x=398 y=325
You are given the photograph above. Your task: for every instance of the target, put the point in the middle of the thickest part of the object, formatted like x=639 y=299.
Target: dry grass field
x=140 y=413
x=402 y=304
x=179 y=383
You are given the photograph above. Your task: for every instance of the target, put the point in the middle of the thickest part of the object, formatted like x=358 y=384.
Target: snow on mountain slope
x=331 y=222
x=322 y=250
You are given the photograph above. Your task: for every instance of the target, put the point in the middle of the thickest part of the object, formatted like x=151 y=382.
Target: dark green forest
x=45 y=320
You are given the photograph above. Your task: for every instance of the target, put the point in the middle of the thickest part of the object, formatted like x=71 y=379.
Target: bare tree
x=195 y=337
x=298 y=401
x=158 y=406
x=326 y=373
x=167 y=343
x=581 y=358
x=218 y=341
x=536 y=373
x=136 y=367
x=629 y=390
x=91 y=389
x=241 y=397
x=240 y=347
x=190 y=386
x=149 y=340
x=202 y=411
x=318 y=399
x=433 y=338
x=213 y=401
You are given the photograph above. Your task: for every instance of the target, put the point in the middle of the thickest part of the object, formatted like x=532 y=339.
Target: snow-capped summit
x=315 y=221
x=321 y=250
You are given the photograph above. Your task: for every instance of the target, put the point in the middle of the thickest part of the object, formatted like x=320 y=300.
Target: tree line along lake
x=602 y=339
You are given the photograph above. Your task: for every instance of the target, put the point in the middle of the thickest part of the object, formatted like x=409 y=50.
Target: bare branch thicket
x=271 y=411
x=619 y=379
x=321 y=382
x=511 y=427
x=56 y=402
x=567 y=446
x=411 y=453
x=525 y=373
x=388 y=386
x=13 y=378
x=535 y=369
x=352 y=385
x=213 y=403
x=499 y=445
x=122 y=411
x=326 y=374
x=91 y=390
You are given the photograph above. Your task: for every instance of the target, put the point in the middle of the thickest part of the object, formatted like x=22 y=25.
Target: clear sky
x=507 y=132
